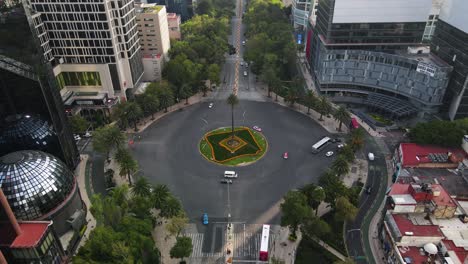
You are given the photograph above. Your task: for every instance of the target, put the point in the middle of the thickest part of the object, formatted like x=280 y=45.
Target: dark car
x=228 y=181
x=368 y=189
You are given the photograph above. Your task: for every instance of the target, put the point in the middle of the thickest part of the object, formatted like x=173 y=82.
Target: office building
x=450 y=42
x=92 y=46
x=32 y=115
x=370 y=52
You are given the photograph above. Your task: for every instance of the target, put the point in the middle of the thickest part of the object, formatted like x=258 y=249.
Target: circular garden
x=240 y=148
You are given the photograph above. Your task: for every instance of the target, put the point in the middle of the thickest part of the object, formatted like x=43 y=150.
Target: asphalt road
x=355 y=231
x=168 y=153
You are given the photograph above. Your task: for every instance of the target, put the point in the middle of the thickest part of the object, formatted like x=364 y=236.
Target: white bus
x=317 y=147
x=264 y=244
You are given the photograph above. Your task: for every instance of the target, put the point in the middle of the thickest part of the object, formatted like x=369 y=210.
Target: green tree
x=310 y=100
x=98 y=249
x=171 y=207
x=205 y=7
x=295 y=210
x=213 y=72
x=323 y=106
x=185 y=92
x=342 y=115
x=269 y=76
x=357 y=139
x=142 y=187
x=315 y=195
x=292 y=95
x=340 y=166
x=106 y=211
x=177 y=224
x=332 y=186
x=160 y=195
x=106 y=138
x=182 y=248
x=78 y=124
x=347 y=153
x=166 y=97
x=345 y=210
x=440 y=132
x=232 y=101
x=127 y=163
x=315 y=227
x=133 y=113
x=149 y=103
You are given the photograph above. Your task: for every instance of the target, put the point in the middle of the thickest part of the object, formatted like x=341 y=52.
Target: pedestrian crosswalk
x=246 y=245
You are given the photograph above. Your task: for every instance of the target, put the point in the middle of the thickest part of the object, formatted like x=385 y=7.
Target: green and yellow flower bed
x=251 y=146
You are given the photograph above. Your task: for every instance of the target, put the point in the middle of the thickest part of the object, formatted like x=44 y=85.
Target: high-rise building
x=154 y=39
x=370 y=52
x=450 y=42
x=92 y=46
x=32 y=114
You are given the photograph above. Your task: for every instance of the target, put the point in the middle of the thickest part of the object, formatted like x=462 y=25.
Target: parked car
x=243 y=43
x=245 y=73
x=368 y=189
x=371 y=156
x=329 y=154
x=205 y=219
x=230 y=174
x=257 y=128
x=242 y=63
x=285 y=155
x=87 y=134
x=77 y=137
x=227 y=181
x=210 y=105
x=340 y=146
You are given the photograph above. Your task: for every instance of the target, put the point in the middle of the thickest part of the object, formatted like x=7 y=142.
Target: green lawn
x=255 y=148
x=310 y=252
x=381 y=119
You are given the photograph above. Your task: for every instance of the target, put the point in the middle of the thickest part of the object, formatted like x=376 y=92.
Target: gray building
x=450 y=42
x=371 y=52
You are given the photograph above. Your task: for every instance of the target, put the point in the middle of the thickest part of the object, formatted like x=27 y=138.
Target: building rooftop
x=443 y=199
x=452 y=182
x=149 y=8
x=172 y=16
x=402 y=199
x=406 y=226
x=32 y=233
x=460 y=252
x=415 y=155
x=413 y=255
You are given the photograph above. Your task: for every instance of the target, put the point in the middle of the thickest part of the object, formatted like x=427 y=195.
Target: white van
x=230 y=174
x=371 y=156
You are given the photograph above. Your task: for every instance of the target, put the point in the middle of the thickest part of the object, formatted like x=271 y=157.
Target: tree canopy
x=295 y=210
x=440 y=132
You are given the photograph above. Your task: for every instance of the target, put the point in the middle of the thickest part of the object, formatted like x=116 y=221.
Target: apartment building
x=153 y=32
x=174 y=21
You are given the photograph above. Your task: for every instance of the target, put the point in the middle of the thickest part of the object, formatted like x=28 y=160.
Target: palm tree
x=340 y=166
x=149 y=102
x=323 y=107
x=232 y=101
x=128 y=165
x=315 y=195
x=106 y=138
x=142 y=187
x=347 y=153
x=291 y=95
x=159 y=195
x=171 y=207
x=310 y=100
x=342 y=115
x=357 y=139
x=166 y=97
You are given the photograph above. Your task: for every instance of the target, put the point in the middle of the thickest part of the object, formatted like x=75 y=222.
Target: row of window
x=63 y=7
x=79 y=35
x=51 y=26
x=88 y=59
x=74 y=43
x=76 y=17
x=83 y=51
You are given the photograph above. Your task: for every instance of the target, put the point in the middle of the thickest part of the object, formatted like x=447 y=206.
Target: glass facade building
x=359 y=50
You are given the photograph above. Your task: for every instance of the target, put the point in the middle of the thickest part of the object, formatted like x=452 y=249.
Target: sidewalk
x=80 y=173
x=283 y=249
x=147 y=121
x=164 y=242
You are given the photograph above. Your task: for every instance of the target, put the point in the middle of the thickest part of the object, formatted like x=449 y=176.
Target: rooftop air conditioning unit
x=409 y=233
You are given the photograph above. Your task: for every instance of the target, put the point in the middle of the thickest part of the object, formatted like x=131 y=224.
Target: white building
x=93 y=47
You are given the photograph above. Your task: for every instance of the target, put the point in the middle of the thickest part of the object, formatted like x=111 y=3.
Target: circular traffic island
x=243 y=147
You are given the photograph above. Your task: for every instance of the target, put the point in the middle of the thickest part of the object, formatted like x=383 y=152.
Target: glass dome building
x=39 y=186
x=21 y=132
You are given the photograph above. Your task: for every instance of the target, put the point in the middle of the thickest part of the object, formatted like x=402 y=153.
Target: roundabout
x=240 y=147
x=169 y=152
